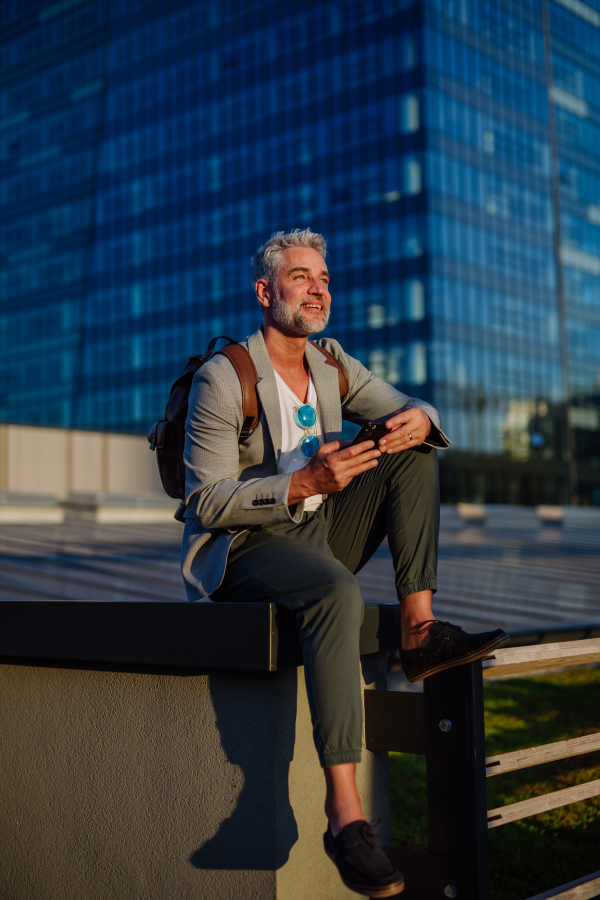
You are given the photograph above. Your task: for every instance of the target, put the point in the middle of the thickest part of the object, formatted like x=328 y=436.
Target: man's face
x=300 y=298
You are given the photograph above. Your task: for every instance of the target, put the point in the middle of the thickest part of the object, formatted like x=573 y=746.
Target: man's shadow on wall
x=256 y=719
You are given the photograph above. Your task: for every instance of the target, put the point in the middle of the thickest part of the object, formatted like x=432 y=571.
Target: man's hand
x=408 y=428
x=331 y=469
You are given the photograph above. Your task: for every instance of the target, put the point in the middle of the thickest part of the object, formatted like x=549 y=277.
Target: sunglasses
x=306 y=417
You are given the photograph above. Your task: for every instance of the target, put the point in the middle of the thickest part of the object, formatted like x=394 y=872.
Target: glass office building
x=448 y=149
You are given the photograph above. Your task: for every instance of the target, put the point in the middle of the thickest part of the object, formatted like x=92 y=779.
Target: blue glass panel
x=144 y=157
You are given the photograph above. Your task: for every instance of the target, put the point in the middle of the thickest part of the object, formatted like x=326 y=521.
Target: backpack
x=167 y=437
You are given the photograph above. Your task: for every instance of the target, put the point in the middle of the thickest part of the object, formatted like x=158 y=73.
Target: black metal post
x=445 y=723
x=456 y=788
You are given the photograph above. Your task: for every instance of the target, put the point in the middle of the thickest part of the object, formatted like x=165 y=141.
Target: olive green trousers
x=309 y=568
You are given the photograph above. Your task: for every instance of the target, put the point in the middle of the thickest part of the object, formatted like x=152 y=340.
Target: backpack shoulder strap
x=332 y=361
x=242 y=362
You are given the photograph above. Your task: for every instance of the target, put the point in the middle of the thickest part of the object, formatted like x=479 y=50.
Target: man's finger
x=332 y=446
x=412 y=420
x=396 y=446
x=356 y=449
x=348 y=465
x=398 y=419
x=363 y=467
x=404 y=433
x=356 y=464
x=400 y=435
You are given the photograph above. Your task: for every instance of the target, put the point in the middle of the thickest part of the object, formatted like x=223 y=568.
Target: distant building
x=452 y=161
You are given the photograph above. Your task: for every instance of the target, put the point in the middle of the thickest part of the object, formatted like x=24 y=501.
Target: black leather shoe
x=449 y=646
x=361 y=861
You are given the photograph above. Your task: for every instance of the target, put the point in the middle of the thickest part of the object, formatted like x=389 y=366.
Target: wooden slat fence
x=445 y=723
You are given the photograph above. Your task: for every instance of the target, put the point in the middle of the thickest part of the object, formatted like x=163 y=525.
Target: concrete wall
x=149 y=785
x=58 y=461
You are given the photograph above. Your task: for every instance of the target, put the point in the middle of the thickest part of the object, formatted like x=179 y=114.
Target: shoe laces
x=366 y=830
x=363 y=831
x=421 y=629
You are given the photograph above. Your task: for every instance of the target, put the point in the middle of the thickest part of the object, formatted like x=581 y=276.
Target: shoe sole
x=388 y=890
x=460 y=660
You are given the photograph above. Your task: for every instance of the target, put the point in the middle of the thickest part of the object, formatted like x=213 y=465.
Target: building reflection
x=448 y=151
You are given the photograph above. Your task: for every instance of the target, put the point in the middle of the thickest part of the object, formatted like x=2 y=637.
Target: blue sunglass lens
x=309 y=445
x=305 y=416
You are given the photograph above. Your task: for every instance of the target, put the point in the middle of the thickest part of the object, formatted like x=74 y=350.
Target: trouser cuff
x=413 y=587
x=340 y=756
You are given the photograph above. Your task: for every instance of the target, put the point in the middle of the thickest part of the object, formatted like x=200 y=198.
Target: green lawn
x=540 y=852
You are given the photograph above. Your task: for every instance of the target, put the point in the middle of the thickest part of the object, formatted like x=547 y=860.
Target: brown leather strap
x=242 y=362
x=332 y=361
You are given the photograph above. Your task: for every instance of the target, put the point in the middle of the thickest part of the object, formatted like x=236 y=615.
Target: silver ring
x=410 y=437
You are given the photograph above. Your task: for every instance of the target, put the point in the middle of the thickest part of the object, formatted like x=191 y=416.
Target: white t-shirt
x=292 y=458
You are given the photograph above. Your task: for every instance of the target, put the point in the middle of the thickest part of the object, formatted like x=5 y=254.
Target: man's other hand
x=408 y=428
x=332 y=468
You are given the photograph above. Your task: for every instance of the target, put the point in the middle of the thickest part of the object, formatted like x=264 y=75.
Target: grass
x=543 y=851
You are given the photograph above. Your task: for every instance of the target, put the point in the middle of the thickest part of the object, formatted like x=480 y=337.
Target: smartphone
x=371 y=431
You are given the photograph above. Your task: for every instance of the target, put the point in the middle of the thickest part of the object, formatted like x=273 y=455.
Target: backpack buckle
x=152 y=436
x=157 y=434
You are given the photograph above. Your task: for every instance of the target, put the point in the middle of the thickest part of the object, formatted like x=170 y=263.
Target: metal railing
x=446 y=724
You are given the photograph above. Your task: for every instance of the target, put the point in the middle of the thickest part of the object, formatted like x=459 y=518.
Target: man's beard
x=293 y=321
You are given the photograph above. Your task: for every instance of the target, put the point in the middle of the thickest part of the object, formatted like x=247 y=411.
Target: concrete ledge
x=146 y=767
x=552 y=514
x=152 y=785
x=117 y=508
x=471 y=512
x=257 y=636
x=20 y=508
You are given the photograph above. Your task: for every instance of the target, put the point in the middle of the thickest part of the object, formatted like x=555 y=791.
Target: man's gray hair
x=269 y=257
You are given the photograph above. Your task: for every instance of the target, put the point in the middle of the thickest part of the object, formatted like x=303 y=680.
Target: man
x=293 y=512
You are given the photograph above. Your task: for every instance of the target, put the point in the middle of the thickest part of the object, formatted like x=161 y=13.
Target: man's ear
x=263 y=294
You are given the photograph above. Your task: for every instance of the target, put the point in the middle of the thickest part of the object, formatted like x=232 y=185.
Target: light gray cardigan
x=224 y=477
